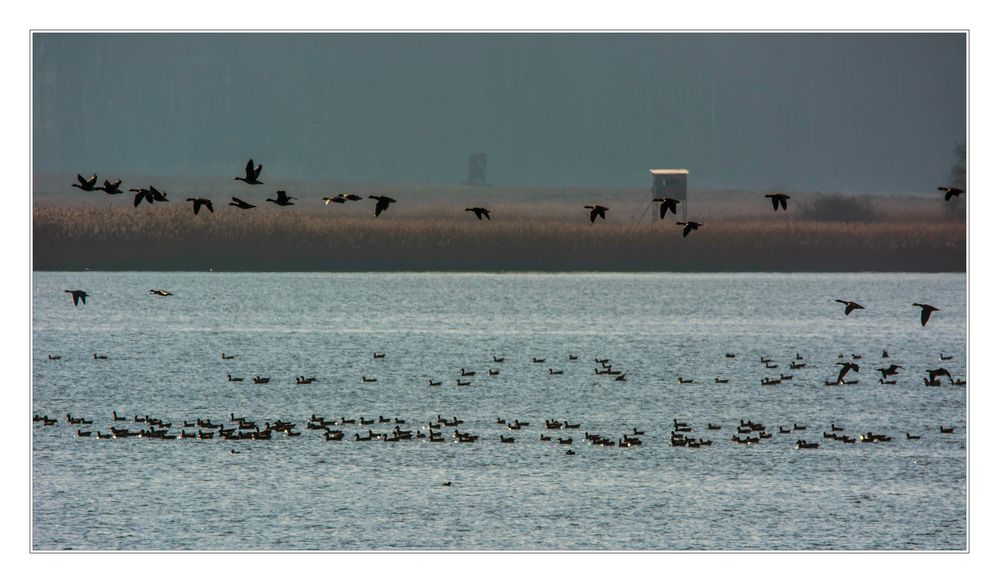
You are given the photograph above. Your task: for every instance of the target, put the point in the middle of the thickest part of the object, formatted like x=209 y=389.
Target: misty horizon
x=816 y=112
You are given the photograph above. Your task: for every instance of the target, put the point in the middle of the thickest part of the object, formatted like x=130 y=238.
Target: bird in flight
x=889 y=371
x=690 y=226
x=239 y=203
x=847 y=367
x=480 y=212
x=927 y=309
x=350 y=196
x=252 y=173
x=597 y=211
x=778 y=199
x=282 y=199
x=78 y=296
x=110 y=187
x=339 y=199
x=850 y=306
x=668 y=204
x=201 y=202
x=949 y=191
x=382 y=204
x=86 y=184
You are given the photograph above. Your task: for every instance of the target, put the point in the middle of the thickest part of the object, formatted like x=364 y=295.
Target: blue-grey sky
x=856 y=112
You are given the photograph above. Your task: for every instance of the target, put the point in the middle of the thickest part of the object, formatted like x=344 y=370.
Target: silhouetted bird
x=337 y=199
x=157 y=195
x=690 y=226
x=927 y=309
x=251 y=173
x=382 y=204
x=78 y=296
x=480 y=212
x=668 y=204
x=950 y=191
x=850 y=306
x=282 y=199
x=938 y=372
x=140 y=194
x=779 y=199
x=159 y=292
x=86 y=184
x=350 y=196
x=847 y=367
x=597 y=211
x=241 y=204
x=889 y=371
x=110 y=187
x=201 y=202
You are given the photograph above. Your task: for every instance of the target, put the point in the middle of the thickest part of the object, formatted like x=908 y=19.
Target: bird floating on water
x=78 y=296
x=850 y=306
x=159 y=292
x=597 y=211
x=778 y=199
x=927 y=309
x=251 y=173
x=480 y=212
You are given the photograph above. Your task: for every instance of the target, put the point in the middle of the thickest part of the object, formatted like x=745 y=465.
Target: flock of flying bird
x=251 y=175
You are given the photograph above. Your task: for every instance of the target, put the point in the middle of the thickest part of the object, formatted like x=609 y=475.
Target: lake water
x=303 y=492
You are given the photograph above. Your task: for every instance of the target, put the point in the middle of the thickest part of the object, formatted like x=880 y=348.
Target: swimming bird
x=239 y=203
x=100 y=356
x=159 y=292
x=690 y=226
x=251 y=173
x=850 y=306
x=54 y=357
x=597 y=211
x=382 y=204
x=201 y=202
x=668 y=204
x=435 y=384
x=942 y=357
x=86 y=184
x=946 y=429
x=110 y=187
x=233 y=379
x=480 y=212
x=778 y=199
x=78 y=296
x=282 y=199
x=927 y=309
x=949 y=191
x=228 y=357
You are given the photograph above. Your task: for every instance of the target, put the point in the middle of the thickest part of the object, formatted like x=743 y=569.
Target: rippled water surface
x=303 y=492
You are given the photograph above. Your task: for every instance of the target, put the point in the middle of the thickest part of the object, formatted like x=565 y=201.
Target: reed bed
x=521 y=236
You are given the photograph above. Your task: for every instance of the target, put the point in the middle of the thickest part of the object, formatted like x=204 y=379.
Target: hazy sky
x=828 y=112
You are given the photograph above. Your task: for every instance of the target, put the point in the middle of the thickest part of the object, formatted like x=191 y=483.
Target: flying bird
x=597 y=211
x=201 y=202
x=778 y=199
x=110 y=187
x=157 y=195
x=140 y=195
x=927 y=309
x=847 y=367
x=86 y=184
x=282 y=199
x=668 y=204
x=382 y=204
x=337 y=199
x=850 y=306
x=937 y=372
x=252 y=173
x=889 y=371
x=350 y=196
x=241 y=204
x=480 y=212
x=949 y=191
x=78 y=296
x=690 y=226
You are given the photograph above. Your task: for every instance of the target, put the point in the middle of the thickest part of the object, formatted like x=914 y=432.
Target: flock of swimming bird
x=251 y=176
